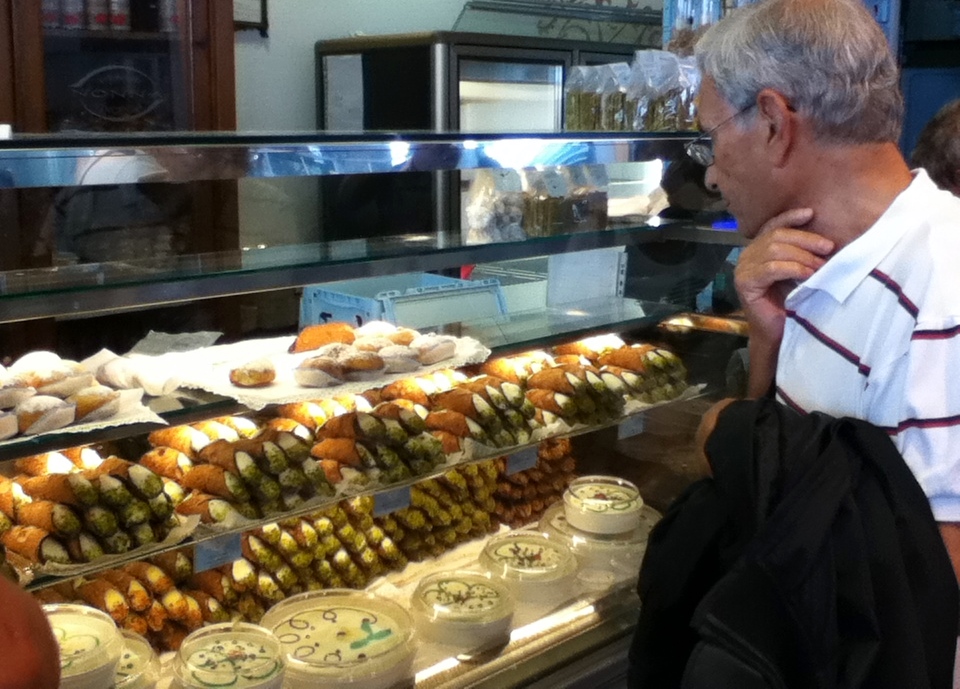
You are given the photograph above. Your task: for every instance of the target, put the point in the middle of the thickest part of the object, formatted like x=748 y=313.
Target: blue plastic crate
x=416 y=300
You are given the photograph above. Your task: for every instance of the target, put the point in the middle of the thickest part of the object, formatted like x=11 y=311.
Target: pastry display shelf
x=509 y=334
x=481 y=453
x=93 y=288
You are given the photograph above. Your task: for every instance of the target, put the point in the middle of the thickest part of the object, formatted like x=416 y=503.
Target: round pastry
x=403 y=336
x=139 y=667
x=336 y=350
x=8 y=425
x=13 y=391
x=118 y=373
x=362 y=366
x=602 y=505
x=35 y=361
x=95 y=403
x=232 y=654
x=254 y=374
x=375 y=329
x=433 y=349
x=537 y=568
x=90 y=645
x=314 y=336
x=43 y=413
x=465 y=609
x=319 y=372
x=399 y=359
x=343 y=638
x=371 y=343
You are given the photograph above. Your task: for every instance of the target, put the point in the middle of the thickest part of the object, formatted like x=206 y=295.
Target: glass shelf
x=103 y=287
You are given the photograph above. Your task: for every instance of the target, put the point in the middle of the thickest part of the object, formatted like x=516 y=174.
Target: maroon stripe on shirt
x=892 y=285
x=830 y=343
x=789 y=402
x=945 y=334
x=942 y=422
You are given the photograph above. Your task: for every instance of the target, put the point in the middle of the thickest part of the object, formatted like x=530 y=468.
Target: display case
x=195 y=499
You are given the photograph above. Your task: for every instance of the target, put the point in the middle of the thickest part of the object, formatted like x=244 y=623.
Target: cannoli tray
x=28 y=571
x=209 y=369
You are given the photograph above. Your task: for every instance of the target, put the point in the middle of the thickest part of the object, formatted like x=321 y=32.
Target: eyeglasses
x=700 y=149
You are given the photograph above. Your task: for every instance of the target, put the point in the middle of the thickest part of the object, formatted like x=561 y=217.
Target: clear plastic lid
x=341 y=634
x=554 y=523
x=232 y=654
x=88 y=638
x=527 y=556
x=458 y=596
x=139 y=667
x=603 y=504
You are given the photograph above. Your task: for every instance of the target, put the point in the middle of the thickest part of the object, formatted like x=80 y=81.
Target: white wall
x=275 y=75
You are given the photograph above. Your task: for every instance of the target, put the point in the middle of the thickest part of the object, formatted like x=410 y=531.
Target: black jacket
x=810 y=559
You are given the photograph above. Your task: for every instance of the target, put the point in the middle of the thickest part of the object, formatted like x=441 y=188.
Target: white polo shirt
x=875 y=334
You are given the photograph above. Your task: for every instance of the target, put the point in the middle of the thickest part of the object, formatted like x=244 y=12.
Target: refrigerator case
x=440 y=81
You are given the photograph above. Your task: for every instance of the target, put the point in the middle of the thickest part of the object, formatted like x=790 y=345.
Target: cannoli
x=210 y=509
x=260 y=553
x=468 y=403
x=553 y=402
x=214 y=480
x=168 y=462
x=83 y=457
x=145 y=533
x=291 y=426
x=308 y=414
x=58 y=519
x=217 y=431
x=84 y=548
x=134 y=513
x=69 y=489
x=210 y=607
x=136 y=593
x=214 y=583
x=224 y=455
x=152 y=577
x=101 y=594
x=47 y=463
x=184 y=438
x=113 y=491
x=117 y=542
x=342 y=450
x=242 y=574
x=632 y=357
x=34 y=544
x=141 y=480
x=244 y=427
x=331 y=470
x=456 y=423
x=411 y=421
x=410 y=389
x=135 y=623
x=155 y=616
x=170 y=636
x=175 y=563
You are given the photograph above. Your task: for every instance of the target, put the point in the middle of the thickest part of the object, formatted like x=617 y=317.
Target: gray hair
x=938 y=148
x=829 y=59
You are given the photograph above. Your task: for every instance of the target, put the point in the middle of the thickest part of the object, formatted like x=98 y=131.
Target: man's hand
x=31 y=658
x=777 y=256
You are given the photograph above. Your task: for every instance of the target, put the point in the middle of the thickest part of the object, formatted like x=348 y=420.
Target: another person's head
x=820 y=69
x=938 y=148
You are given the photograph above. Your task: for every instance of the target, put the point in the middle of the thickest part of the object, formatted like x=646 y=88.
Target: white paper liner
x=27 y=572
x=209 y=369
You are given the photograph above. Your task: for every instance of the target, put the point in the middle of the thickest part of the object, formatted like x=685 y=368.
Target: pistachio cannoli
x=210 y=509
x=58 y=519
x=141 y=480
x=35 y=545
x=84 y=548
x=167 y=462
x=69 y=489
x=214 y=480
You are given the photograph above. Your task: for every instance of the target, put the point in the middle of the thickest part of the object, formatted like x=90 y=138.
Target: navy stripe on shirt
x=944 y=334
x=789 y=402
x=894 y=287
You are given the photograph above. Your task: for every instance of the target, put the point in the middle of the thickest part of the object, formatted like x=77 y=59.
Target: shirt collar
x=846 y=269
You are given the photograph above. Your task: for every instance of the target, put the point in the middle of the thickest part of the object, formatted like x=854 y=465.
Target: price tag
x=390 y=501
x=631 y=427
x=521 y=461
x=217 y=551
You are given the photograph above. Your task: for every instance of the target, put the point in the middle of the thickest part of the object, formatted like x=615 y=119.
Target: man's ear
x=778 y=122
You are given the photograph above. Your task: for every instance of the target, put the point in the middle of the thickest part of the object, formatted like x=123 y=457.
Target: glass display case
x=220 y=482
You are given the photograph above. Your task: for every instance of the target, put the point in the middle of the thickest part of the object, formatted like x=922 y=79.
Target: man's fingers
x=795 y=217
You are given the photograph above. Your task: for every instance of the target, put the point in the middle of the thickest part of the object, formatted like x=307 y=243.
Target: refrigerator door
x=504 y=95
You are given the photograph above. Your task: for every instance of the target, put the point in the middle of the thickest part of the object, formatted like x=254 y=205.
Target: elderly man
x=851 y=290
x=850 y=284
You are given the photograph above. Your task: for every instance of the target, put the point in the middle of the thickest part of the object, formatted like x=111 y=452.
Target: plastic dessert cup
x=465 y=609
x=139 y=667
x=234 y=654
x=90 y=645
x=602 y=559
x=343 y=638
x=535 y=567
x=602 y=505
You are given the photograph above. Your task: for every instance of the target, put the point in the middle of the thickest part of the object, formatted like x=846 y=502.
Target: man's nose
x=710 y=179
